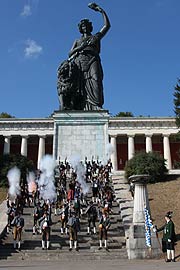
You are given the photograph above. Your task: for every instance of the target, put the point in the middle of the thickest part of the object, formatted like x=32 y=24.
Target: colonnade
x=24 y=145
x=148 y=144
x=130 y=145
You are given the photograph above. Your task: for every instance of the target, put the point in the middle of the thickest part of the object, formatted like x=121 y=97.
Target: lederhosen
x=36 y=215
x=92 y=216
x=104 y=225
x=45 y=228
x=18 y=223
x=74 y=227
x=64 y=217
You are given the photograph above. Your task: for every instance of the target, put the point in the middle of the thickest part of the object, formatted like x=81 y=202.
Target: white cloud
x=32 y=50
x=26 y=11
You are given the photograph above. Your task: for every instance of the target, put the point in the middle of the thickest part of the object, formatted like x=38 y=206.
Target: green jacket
x=168 y=231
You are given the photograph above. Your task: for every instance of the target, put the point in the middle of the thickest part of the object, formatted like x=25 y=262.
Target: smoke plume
x=46 y=180
x=31 y=182
x=80 y=171
x=13 y=176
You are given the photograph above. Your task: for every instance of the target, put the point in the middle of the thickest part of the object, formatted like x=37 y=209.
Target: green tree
x=5 y=115
x=177 y=103
x=124 y=114
x=150 y=163
x=8 y=161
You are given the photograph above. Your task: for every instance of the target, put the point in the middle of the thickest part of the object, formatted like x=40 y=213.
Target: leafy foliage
x=124 y=114
x=147 y=163
x=177 y=103
x=5 y=115
x=9 y=161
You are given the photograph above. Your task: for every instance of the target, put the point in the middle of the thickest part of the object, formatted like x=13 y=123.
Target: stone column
x=131 y=149
x=148 y=143
x=114 y=154
x=41 y=150
x=55 y=142
x=24 y=146
x=136 y=243
x=167 y=151
x=140 y=198
x=7 y=142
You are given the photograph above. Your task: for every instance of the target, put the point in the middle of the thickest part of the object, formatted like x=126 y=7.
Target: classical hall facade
x=34 y=138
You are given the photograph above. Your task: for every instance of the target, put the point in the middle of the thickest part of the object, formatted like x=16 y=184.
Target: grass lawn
x=165 y=197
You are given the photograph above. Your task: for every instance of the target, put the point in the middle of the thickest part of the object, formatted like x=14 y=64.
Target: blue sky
x=140 y=54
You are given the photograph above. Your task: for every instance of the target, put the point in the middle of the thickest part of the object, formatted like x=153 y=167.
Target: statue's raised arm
x=79 y=47
x=107 y=24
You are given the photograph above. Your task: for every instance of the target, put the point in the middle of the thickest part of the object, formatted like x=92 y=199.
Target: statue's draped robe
x=91 y=73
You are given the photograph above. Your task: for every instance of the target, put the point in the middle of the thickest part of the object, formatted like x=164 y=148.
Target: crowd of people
x=74 y=201
x=91 y=200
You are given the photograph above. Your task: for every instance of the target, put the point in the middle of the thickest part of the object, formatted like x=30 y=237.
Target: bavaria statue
x=80 y=77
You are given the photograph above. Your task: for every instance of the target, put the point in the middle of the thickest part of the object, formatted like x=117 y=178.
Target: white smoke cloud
x=109 y=151
x=32 y=50
x=80 y=170
x=47 y=180
x=13 y=176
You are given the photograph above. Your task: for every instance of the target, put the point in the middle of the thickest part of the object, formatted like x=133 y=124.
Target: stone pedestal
x=136 y=244
x=81 y=133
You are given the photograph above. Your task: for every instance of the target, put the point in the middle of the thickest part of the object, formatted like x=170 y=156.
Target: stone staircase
x=59 y=248
x=124 y=199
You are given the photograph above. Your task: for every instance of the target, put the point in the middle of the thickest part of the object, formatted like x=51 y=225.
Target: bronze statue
x=68 y=91
x=89 y=74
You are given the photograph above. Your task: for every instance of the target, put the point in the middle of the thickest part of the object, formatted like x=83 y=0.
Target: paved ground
x=89 y=265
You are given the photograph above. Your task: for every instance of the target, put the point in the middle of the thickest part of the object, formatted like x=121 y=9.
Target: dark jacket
x=44 y=221
x=18 y=221
x=91 y=212
x=168 y=231
x=105 y=223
